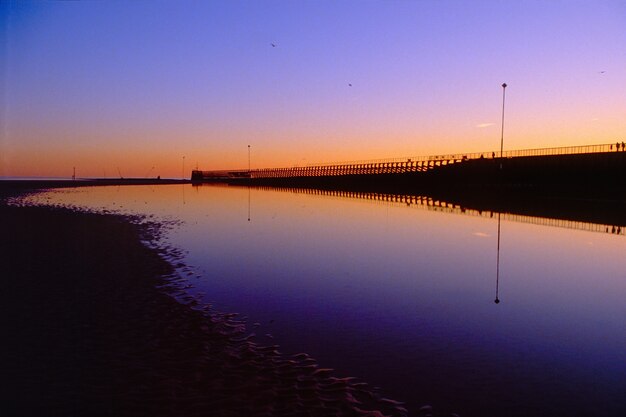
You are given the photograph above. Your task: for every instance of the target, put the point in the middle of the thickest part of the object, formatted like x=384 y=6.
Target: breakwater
x=595 y=169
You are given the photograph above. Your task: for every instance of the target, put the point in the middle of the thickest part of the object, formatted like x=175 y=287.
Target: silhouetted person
x=617 y=147
x=493 y=155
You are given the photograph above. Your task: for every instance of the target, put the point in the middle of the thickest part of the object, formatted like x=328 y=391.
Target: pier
x=598 y=167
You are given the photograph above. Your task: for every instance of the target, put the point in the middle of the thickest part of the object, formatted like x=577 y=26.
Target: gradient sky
x=108 y=85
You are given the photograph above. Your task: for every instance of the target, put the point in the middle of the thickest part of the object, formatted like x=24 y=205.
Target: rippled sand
x=94 y=330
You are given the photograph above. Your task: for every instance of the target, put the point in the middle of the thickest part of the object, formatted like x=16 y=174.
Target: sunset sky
x=130 y=88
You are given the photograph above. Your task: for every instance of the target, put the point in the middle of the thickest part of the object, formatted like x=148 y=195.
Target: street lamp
x=248 y=159
x=502 y=131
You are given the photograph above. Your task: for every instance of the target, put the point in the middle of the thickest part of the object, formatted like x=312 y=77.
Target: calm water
x=402 y=295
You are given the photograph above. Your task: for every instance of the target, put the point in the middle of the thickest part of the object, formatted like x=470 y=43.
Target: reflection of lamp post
x=502 y=134
x=249 y=176
x=497 y=300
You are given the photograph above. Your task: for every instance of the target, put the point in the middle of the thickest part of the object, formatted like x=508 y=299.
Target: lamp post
x=248 y=159
x=183 y=176
x=502 y=131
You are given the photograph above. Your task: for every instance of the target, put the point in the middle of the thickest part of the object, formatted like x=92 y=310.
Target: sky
x=148 y=88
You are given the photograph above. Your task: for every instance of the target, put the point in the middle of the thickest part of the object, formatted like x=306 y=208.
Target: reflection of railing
x=399 y=165
x=430 y=204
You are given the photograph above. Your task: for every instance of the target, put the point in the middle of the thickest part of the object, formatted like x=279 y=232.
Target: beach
x=93 y=327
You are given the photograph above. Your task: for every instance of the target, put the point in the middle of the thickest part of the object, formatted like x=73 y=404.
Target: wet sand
x=91 y=328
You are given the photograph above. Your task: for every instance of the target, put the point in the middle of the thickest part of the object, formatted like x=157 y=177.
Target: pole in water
x=502 y=130
x=248 y=158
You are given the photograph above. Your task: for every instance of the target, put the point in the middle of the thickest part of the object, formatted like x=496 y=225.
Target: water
x=402 y=295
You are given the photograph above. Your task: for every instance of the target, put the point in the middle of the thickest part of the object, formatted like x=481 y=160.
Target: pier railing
x=401 y=165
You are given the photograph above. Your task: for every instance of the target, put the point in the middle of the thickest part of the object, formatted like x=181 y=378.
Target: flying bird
x=349 y=85
x=273 y=45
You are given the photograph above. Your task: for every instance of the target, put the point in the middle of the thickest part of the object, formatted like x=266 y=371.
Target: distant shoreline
x=37 y=183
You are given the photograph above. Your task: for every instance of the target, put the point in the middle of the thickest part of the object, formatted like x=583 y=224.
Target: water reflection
x=434 y=204
x=398 y=290
x=431 y=203
x=497 y=300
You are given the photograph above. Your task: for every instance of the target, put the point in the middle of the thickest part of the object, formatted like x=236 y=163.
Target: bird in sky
x=273 y=45
x=349 y=85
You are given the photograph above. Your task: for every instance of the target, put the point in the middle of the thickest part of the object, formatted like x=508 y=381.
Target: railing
x=401 y=165
x=566 y=150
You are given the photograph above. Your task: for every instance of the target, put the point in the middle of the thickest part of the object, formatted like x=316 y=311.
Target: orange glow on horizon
x=333 y=89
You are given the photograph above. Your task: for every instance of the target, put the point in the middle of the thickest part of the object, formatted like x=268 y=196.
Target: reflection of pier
x=431 y=204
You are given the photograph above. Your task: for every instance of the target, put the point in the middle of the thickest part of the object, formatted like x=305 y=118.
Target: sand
x=91 y=328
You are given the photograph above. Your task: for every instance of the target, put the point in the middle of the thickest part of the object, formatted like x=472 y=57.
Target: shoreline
x=95 y=331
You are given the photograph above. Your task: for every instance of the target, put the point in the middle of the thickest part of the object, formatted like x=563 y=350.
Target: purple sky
x=136 y=85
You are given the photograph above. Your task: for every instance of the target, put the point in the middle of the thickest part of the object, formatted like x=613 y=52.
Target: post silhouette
x=502 y=129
